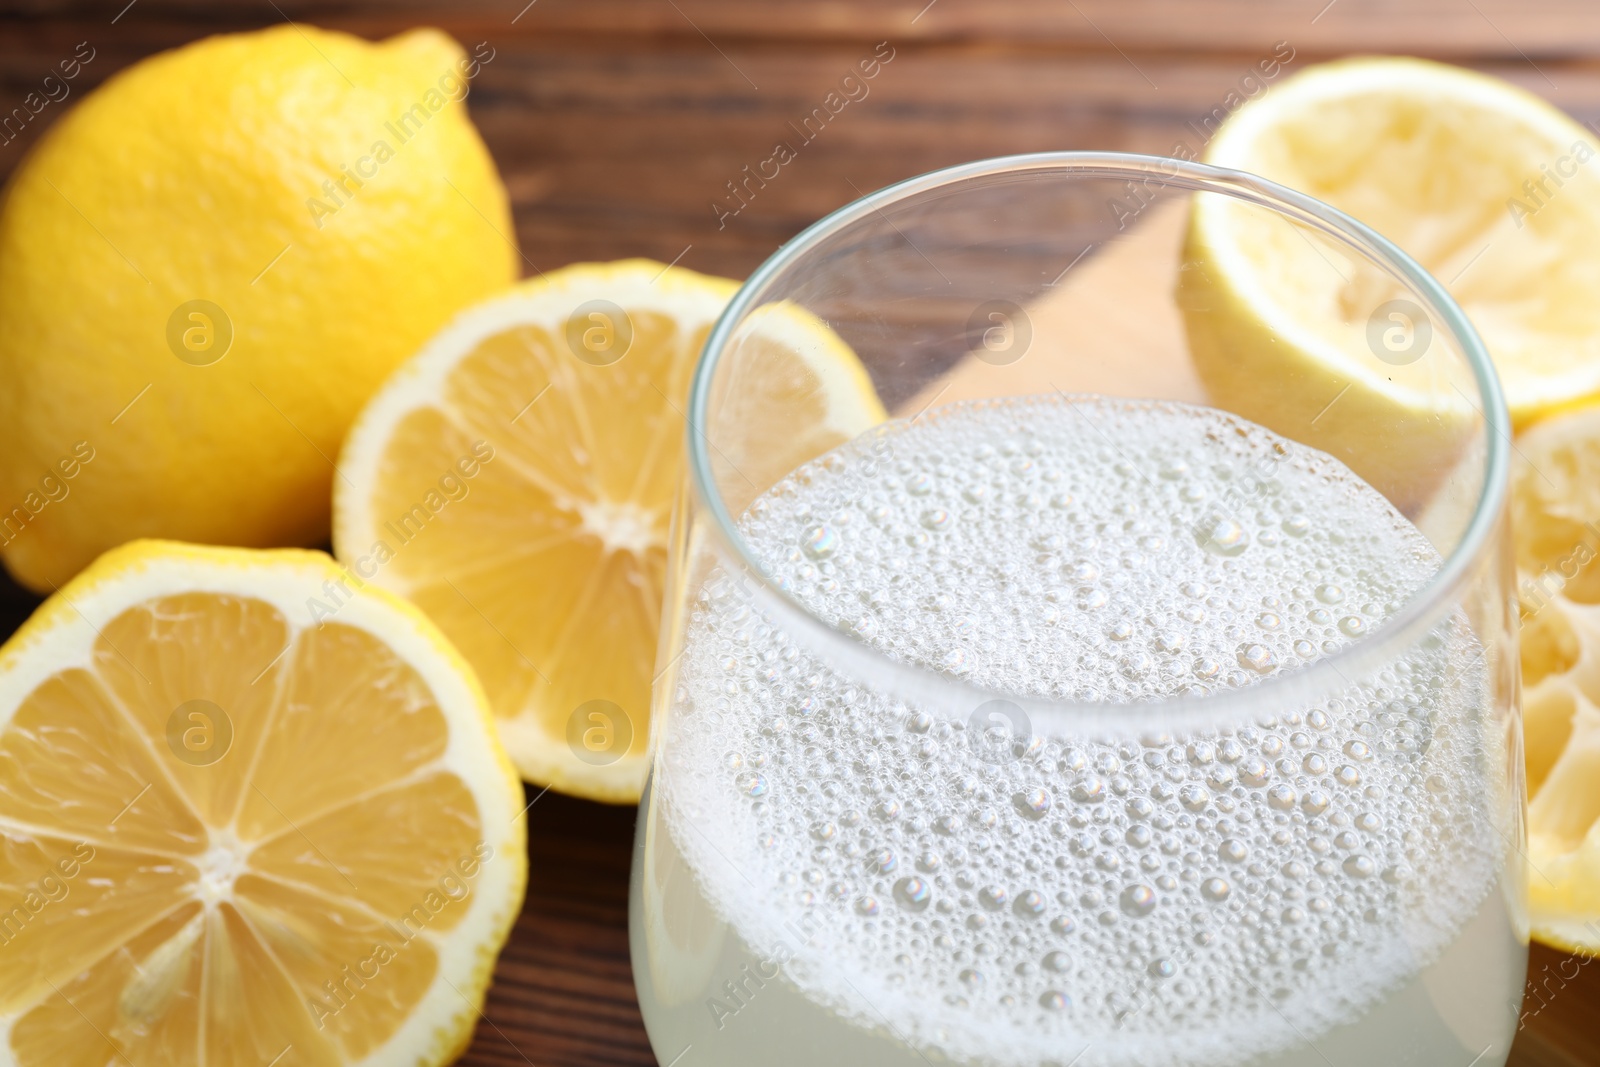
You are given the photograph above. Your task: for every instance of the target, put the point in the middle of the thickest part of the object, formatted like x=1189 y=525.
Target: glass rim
x=1282 y=691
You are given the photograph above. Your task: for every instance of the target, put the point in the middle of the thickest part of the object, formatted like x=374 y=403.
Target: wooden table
x=618 y=124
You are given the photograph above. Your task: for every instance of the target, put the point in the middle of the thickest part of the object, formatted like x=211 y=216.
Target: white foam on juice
x=1192 y=900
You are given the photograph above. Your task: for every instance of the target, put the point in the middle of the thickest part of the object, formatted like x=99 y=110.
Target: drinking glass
x=1136 y=685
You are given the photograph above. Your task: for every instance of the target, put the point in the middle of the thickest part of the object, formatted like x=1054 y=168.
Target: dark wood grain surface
x=618 y=123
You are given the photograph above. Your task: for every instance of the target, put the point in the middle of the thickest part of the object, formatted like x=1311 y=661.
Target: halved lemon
x=238 y=834
x=1561 y=724
x=1493 y=190
x=516 y=480
x=1555 y=512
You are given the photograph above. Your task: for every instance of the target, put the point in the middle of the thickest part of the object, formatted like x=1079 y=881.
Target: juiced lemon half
x=516 y=481
x=1555 y=512
x=1493 y=190
x=238 y=834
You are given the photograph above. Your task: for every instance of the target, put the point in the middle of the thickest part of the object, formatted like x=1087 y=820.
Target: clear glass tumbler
x=1125 y=675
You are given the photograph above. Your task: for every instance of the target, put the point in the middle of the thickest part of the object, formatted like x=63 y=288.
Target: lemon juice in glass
x=1099 y=706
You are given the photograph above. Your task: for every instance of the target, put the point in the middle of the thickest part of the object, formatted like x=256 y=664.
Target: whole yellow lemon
x=208 y=266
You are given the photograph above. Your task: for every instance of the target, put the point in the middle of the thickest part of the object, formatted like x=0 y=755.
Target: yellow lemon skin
x=332 y=205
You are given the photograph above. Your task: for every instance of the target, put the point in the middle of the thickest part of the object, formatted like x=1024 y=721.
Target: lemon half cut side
x=233 y=834
x=517 y=478
x=1555 y=516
